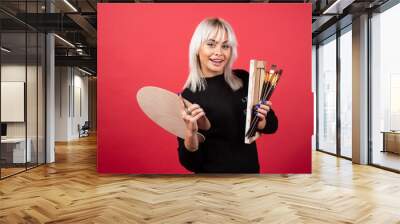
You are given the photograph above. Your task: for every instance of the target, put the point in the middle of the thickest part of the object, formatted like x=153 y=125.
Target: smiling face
x=214 y=54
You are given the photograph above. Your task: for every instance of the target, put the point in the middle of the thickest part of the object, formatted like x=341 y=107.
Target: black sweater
x=224 y=150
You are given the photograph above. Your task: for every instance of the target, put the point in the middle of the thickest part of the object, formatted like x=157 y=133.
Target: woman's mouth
x=217 y=62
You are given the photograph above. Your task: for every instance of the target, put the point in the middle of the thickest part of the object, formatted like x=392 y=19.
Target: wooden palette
x=163 y=107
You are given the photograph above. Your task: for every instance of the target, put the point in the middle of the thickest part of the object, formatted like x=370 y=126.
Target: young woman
x=219 y=97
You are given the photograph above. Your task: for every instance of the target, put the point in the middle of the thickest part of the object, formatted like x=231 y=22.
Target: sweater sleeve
x=272 y=123
x=192 y=161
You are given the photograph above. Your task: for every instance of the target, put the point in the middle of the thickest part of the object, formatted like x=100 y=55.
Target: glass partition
x=22 y=88
x=13 y=103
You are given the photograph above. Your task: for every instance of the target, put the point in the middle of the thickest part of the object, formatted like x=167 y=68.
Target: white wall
x=16 y=73
x=12 y=101
x=71 y=93
x=62 y=78
x=80 y=84
x=12 y=73
x=33 y=127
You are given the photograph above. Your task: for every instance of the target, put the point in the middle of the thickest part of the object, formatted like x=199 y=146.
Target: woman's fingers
x=193 y=107
x=192 y=114
x=182 y=105
x=199 y=115
x=262 y=111
x=261 y=116
x=186 y=117
x=268 y=103
x=196 y=111
x=264 y=107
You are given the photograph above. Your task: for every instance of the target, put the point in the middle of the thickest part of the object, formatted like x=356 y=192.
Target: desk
x=391 y=141
x=15 y=148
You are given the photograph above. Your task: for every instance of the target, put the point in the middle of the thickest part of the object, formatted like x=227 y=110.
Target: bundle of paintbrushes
x=264 y=84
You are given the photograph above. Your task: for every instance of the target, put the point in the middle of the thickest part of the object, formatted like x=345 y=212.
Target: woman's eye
x=225 y=46
x=211 y=44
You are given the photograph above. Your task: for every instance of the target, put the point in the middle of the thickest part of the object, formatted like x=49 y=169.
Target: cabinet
x=391 y=141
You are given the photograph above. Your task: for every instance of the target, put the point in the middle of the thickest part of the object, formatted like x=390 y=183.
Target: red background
x=147 y=44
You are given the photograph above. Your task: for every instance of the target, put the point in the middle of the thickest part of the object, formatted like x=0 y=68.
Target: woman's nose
x=218 y=50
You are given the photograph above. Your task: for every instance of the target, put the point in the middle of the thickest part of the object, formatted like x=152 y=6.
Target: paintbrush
x=268 y=87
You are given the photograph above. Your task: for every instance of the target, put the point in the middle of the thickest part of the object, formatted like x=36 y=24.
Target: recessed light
x=84 y=71
x=5 y=50
x=70 y=5
x=64 y=40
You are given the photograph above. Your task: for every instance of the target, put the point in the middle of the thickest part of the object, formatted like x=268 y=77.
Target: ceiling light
x=84 y=71
x=338 y=6
x=5 y=50
x=70 y=5
x=64 y=40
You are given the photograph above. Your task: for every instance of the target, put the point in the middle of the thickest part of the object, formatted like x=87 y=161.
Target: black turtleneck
x=224 y=150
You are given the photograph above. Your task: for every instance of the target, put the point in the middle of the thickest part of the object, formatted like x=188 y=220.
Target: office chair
x=84 y=130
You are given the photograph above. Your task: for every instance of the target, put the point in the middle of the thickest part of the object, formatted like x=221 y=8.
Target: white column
x=50 y=92
x=50 y=100
x=360 y=90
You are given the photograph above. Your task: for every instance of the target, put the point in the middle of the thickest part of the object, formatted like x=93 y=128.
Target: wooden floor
x=5 y=172
x=387 y=159
x=70 y=191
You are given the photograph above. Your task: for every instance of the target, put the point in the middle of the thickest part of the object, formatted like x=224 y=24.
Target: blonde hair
x=202 y=33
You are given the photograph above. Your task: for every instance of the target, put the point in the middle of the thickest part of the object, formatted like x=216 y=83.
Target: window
x=327 y=96
x=385 y=88
x=346 y=93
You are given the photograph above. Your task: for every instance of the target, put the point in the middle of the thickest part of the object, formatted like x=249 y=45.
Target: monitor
x=3 y=129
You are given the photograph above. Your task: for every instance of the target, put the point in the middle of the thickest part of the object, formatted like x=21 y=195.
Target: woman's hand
x=193 y=116
x=203 y=123
x=262 y=110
